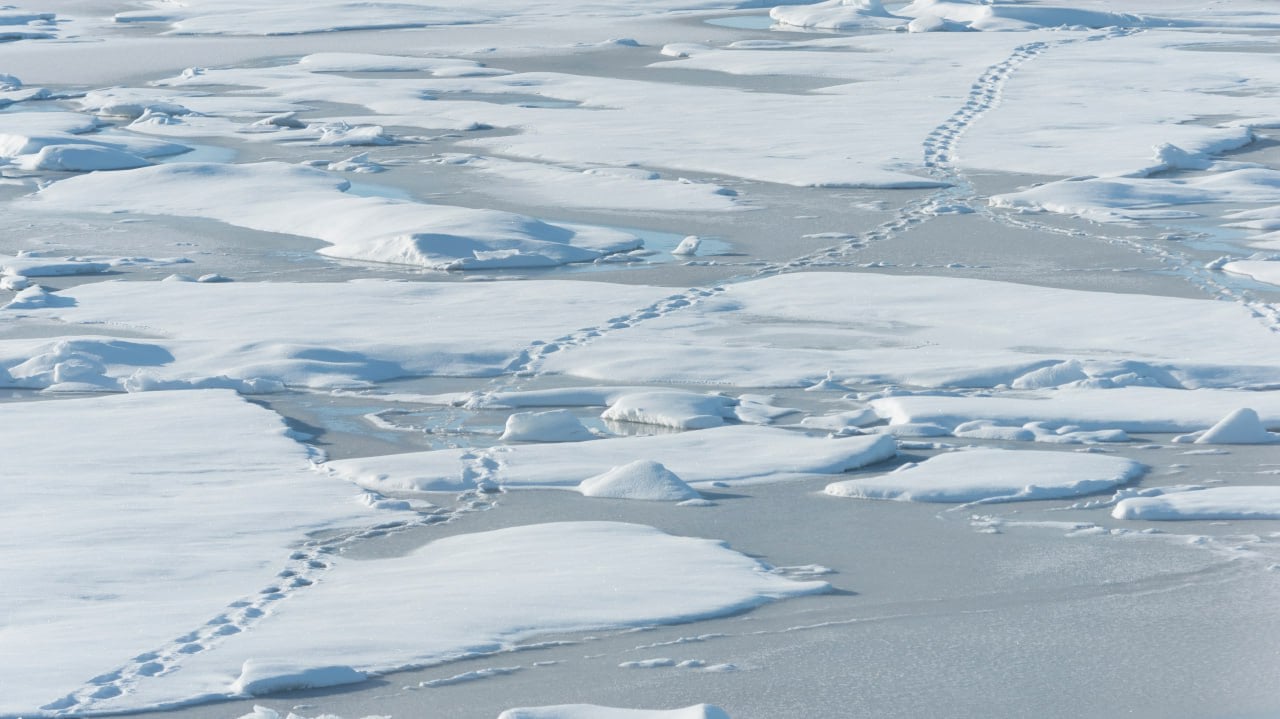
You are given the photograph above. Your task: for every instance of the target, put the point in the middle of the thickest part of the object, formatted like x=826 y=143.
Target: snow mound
x=591 y=711
x=680 y=410
x=641 y=479
x=1240 y=427
x=734 y=454
x=994 y=475
x=557 y=425
x=1207 y=504
x=81 y=158
x=265 y=677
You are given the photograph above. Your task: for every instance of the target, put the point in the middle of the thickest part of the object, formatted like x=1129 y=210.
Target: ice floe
x=737 y=454
x=680 y=410
x=1132 y=409
x=937 y=332
x=591 y=711
x=994 y=475
x=261 y=335
x=275 y=197
x=452 y=598
x=149 y=537
x=1213 y=503
x=557 y=425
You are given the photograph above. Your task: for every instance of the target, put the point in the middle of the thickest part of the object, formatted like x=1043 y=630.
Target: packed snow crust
x=994 y=475
x=736 y=454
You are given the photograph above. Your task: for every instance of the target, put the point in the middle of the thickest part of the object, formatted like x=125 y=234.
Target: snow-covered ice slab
x=791 y=330
x=737 y=454
x=259 y=335
x=994 y=475
x=275 y=197
x=1214 y=503
x=453 y=598
x=1267 y=271
x=591 y=711
x=1132 y=409
x=134 y=525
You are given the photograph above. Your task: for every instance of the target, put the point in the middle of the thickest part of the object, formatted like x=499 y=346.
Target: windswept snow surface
x=274 y=197
x=739 y=454
x=453 y=598
x=142 y=529
x=1210 y=503
x=262 y=335
x=962 y=226
x=589 y=711
x=994 y=475
x=936 y=332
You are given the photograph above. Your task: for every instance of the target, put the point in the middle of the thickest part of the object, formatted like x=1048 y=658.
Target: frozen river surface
x=549 y=360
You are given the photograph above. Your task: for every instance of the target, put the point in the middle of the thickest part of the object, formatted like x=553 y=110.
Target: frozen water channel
x=715 y=359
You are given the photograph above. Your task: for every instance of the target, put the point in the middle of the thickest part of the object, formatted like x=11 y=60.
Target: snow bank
x=485 y=592
x=258 y=678
x=641 y=479
x=270 y=334
x=1125 y=199
x=137 y=519
x=1242 y=426
x=590 y=711
x=274 y=197
x=1132 y=409
x=936 y=332
x=80 y=158
x=994 y=475
x=1214 y=503
x=681 y=410
x=557 y=425
x=1267 y=271
x=736 y=454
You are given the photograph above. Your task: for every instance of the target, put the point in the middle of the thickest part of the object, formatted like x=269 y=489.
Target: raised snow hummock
x=1242 y=426
x=591 y=711
x=641 y=479
x=557 y=425
x=994 y=475
x=740 y=453
x=1214 y=503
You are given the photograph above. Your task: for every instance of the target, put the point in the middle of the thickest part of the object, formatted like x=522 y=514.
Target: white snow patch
x=680 y=410
x=557 y=425
x=265 y=677
x=591 y=711
x=994 y=475
x=641 y=479
x=735 y=454
x=1240 y=427
x=1214 y=503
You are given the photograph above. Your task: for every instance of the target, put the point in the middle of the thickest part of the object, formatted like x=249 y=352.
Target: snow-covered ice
x=453 y=598
x=994 y=475
x=142 y=530
x=1207 y=503
x=590 y=711
x=737 y=454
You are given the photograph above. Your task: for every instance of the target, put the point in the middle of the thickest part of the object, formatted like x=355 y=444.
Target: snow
x=257 y=678
x=135 y=519
x=641 y=479
x=1261 y=270
x=274 y=197
x=1240 y=427
x=994 y=475
x=268 y=334
x=80 y=158
x=926 y=331
x=1214 y=503
x=590 y=711
x=452 y=598
x=557 y=425
x=1132 y=409
x=736 y=454
x=679 y=410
